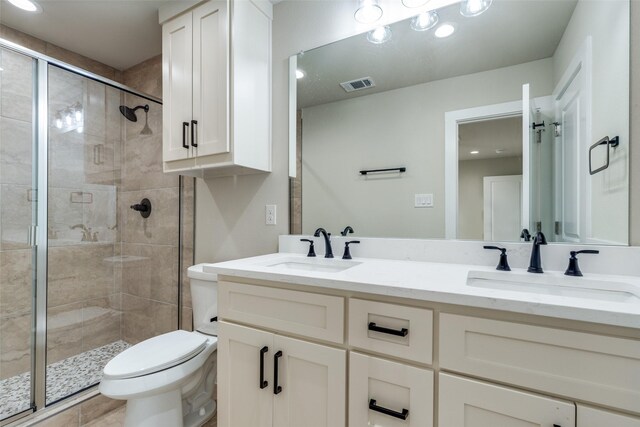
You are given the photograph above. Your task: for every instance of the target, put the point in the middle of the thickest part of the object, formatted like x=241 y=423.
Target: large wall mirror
x=518 y=119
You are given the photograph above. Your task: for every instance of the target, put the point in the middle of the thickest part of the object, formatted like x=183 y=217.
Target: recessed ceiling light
x=445 y=30
x=471 y=8
x=425 y=21
x=474 y=152
x=368 y=12
x=28 y=5
x=379 y=35
x=299 y=74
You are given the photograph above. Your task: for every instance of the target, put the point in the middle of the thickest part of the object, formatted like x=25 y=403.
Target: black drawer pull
x=263 y=382
x=185 y=125
x=276 y=388
x=194 y=133
x=402 y=415
x=401 y=333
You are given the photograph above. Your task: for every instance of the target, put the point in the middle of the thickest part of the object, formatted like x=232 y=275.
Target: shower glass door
x=18 y=199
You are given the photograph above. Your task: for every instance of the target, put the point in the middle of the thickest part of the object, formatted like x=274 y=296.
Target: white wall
x=402 y=127
x=607 y=22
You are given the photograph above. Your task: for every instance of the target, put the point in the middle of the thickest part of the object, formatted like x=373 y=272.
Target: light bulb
x=445 y=30
x=379 y=35
x=425 y=21
x=299 y=74
x=368 y=12
x=78 y=116
x=59 y=123
x=68 y=120
x=471 y=8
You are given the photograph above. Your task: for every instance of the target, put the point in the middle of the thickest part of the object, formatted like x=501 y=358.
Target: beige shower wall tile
x=22 y=39
x=15 y=151
x=64 y=331
x=81 y=61
x=143 y=318
x=15 y=345
x=15 y=215
x=16 y=283
x=153 y=277
x=142 y=168
x=145 y=77
x=16 y=93
x=187 y=319
x=101 y=321
x=161 y=227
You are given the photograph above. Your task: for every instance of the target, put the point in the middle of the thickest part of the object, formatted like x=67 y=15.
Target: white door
x=313 y=379
x=470 y=403
x=591 y=417
x=210 y=77
x=177 y=87
x=243 y=397
x=502 y=197
x=405 y=391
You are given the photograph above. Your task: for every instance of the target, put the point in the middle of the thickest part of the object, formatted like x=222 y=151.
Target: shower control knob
x=144 y=207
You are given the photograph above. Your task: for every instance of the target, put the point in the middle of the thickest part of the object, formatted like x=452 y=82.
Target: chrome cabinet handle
x=402 y=415
x=400 y=333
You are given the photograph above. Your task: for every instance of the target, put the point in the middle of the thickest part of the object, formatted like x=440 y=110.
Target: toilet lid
x=156 y=354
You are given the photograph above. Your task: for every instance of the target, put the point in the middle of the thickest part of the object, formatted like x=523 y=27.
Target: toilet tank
x=204 y=297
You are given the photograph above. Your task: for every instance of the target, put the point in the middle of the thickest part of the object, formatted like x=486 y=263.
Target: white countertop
x=447 y=283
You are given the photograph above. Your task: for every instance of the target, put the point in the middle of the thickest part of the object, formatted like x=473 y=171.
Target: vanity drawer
x=594 y=368
x=301 y=313
x=392 y=386
x=396 y=330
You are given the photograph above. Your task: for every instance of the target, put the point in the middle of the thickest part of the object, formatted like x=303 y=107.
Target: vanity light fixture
x=299 y=74
x=368 y=11
x=471 y=8
x=28 y=5
x=445 y=30
x=425 y=21
x=414 y=3
x=379 y=35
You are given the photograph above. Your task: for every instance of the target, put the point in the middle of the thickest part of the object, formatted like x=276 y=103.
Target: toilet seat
x=155 y=354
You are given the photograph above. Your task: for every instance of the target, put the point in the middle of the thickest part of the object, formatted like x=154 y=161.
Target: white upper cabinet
x=217 y=88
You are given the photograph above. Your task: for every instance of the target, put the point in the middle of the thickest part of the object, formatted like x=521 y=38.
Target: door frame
x=452 y=119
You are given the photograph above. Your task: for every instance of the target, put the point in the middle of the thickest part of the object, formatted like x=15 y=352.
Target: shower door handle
x=194 y=133
x=185 y=125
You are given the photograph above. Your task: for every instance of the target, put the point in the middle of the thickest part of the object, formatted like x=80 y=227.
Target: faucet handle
x=347 y=251
x=312 y=251
x=503 y=264
x=574 y=269
x=525 y=235
x=348 y=229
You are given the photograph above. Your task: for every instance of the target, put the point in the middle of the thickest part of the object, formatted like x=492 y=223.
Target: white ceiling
x=115 y=32
x=511 y=32
x=487 y=136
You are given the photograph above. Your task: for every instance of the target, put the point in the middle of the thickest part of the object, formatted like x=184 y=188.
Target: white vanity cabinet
x=216 y=66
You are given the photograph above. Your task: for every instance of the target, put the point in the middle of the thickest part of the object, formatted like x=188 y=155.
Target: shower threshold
x=64 y=378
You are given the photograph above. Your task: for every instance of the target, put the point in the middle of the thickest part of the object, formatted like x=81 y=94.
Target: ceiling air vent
x=358 y=84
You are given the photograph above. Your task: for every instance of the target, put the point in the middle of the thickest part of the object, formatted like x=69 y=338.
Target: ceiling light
x=368 y=12
x=379 y=35
x=414 y=3
x=470 y=8
x=474 y=152
x=299 y=74
x=424 y=21
x=28 y=5
x=445 y=30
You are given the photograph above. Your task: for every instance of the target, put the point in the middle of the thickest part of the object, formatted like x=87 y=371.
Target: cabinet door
x=313 y=380
x=210 y=78
x=177 y=59
x=242 y=399
x=470 y=403
x=591 y=417
x=405 y=390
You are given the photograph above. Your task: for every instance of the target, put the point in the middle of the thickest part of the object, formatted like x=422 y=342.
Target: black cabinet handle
x=402 y=415
x=276 y=388
x=263 y=382
x=185 y=125
x=194 y=133
x=401 y=333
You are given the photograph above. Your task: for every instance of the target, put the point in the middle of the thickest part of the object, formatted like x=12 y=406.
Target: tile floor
x=115 y=418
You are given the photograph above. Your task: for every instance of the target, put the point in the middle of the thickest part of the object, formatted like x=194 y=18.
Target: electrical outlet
x=423 y=201
x=270 y=214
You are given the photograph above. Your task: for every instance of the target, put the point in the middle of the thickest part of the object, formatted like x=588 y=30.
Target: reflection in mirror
x=493 y=125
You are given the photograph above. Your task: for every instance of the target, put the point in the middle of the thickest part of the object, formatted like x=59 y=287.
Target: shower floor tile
x=63 y=378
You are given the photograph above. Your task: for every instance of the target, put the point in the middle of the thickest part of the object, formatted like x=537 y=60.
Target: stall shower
x=82 y=275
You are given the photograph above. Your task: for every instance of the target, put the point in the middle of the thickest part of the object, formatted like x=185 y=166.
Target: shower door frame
x=41 y=165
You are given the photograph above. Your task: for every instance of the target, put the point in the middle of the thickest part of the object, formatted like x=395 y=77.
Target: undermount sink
x=565 y=286
x=321 y=265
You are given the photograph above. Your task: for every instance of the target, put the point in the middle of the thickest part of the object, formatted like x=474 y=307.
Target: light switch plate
x=270 y=214
x=423 y=201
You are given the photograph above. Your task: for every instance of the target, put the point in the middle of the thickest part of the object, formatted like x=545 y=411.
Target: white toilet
x=168 y=380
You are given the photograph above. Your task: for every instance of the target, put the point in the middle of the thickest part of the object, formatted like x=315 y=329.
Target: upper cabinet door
x=210 y=78
x=177 y=59
x=313 y=380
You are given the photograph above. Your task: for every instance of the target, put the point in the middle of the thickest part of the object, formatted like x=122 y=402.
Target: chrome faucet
x=327 y=241
x=535 y=264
